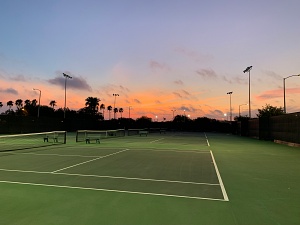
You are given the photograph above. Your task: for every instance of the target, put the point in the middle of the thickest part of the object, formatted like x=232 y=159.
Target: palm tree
x=102 y=106
x=10 y=104
x=121 y=111
x=1 y=104
x=92 y=104
x=109 y=108
x=34 y=102
x=27 y=102
x=115 y=111
x=19 y=103
x=52 y=104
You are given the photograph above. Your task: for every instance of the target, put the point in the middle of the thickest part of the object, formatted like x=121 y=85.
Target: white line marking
x=207 y=140
x=219 y=178
x=112 y=177
x=157 y=140
x=101 y=157
x=110 y=190
x=83 y=156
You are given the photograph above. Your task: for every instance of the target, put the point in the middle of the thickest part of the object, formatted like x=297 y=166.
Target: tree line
x=92 y=108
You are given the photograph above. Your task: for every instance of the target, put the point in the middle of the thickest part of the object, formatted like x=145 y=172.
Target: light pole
x=230 y=93
x=129 y=112
x=115 y=104
x=248 y=70
x=66 y=77
x=35 y=89
x=240 y=109
x=173 y=110
x=284 y=90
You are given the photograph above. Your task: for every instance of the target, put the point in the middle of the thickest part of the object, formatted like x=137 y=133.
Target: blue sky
x=157 y=55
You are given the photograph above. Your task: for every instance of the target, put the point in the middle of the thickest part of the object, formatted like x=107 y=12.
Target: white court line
x=219 y=178
x=207 y=140
x=166 y=150
x=111 y=177
x=109 y=190
x=101 y=157
x=157 y=140
x=28 y=153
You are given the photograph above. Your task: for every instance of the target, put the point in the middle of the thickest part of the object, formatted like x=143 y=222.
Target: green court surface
x=172 y=178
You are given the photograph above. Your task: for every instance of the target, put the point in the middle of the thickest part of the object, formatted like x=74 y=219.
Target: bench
x=162 y=131
x=89 y=139
x=143 y=132
x=55 y=139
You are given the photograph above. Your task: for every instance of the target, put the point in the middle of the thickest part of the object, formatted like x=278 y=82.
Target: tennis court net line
x=31 y=140
x=84 y=135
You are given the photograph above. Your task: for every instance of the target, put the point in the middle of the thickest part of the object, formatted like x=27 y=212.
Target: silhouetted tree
x=102 y=107
x=10 y=104
x=52 y=104
x=92 y=104
x=115 y=111
x=19 y=103
x=109 y=108
x=269 y=111
x=121 y=111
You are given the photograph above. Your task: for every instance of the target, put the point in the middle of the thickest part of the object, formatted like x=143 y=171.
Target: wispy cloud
x=78 y=83
x=277 y=93
x=177 y=94
x=137 y=101
x=270 y=94
x=193 y=55
x=235 y=80
x=273 y=75
x=157 y=66
x=9 y=91
x=19 y=78
x=179 y=82
x=207 y=73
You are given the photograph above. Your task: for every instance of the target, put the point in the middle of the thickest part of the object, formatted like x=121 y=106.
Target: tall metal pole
x=129 y=112
x=66 y=77
x=39 y=101
x=284 y=104
x=115 y=104
x=173 y=110
x=230 y=93
x=248 y=70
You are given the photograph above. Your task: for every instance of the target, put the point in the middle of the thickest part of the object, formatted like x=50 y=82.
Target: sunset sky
x=158 y=55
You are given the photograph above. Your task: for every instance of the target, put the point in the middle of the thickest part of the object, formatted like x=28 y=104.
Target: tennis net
x=135 y=131
x=84 y=135
x=31 y=140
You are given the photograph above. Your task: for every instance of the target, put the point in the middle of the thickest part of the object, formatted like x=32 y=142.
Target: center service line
x=101 y=157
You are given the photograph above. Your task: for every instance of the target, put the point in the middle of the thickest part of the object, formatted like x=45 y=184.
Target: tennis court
x=170 y=178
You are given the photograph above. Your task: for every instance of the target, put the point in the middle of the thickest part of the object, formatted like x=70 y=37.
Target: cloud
x=277 y=93
x=137 y=101
x=215 y=114
x=77 y=83
x=156 y=66
x=179 y=82
x=270 y=94
x=193 y=55
x=185 y=92
x=18 y=78
x=177 y=94
x=207 y=73
x=235 y=80
x=273 y=75
x=9 y=91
